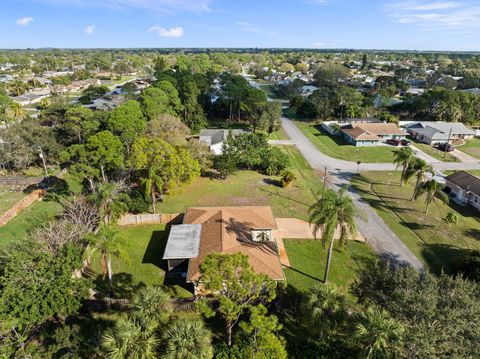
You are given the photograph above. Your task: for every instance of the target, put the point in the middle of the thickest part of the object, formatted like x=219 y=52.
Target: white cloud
x=90 y=29
x=439 y=5
x=172 y=32
x=169 y=6
x=24 y=21
x=437 y=16
x=318 y=44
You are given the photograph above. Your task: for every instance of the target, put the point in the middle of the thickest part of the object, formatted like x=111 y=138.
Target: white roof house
x=215 y=138
x=439 y=132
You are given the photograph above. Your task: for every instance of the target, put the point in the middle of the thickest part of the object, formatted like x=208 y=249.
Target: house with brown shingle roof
x=226 y=230
x=371 y=134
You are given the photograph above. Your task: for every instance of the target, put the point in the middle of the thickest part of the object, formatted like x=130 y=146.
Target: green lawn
x=37 y=214
x=251 y=188
x=431 y=151
x=436 y=245
x=471 y=147
x=278 y=135
x=308 y=258
x=8 y=199
x=145 y=245
x=336 y=147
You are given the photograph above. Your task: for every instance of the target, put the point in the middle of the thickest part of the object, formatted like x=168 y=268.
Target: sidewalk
x=463 y=157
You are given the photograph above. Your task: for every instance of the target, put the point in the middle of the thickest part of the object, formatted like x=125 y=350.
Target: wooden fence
x=149 y=218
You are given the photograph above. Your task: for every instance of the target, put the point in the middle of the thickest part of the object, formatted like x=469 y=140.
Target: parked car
x=445 y=147
x=405 y=142
x=393 y=142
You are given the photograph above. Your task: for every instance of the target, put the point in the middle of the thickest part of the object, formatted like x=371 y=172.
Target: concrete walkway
x=281 y=142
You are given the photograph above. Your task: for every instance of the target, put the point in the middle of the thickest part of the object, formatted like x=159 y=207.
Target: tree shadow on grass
x=416 y=226
x=156 y=248
x=305 y=274
x=283 y=196
x=450 y=255
x=123 y=286
x=473 y=233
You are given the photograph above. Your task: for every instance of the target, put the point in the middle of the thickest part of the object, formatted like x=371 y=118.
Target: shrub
x=288 y=177
x=274 y=161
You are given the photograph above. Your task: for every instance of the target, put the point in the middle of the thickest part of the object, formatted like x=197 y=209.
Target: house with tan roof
x=371 y=133
x=226 y=230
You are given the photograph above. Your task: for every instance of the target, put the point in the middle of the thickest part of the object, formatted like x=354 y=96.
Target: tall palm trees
x=152 y=184
x=377 y=334
x=109 y=201
x=420 y=169
x=187 y=340
x=334 y=210
x=431 y=189
x=16 y=112
x=109 y=245
x=403 y=158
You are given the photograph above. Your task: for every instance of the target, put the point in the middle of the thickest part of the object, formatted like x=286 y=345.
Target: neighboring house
x=225 y=230
x=307 y=90
x=29 y=98
x=215 y=138
x=433 y=133
x=371 y=134
x=464 y=188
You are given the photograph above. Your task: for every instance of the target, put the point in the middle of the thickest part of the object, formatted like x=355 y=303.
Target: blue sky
x=387 y=24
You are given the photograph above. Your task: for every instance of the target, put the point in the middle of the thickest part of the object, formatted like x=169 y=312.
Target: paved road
x=379 y=236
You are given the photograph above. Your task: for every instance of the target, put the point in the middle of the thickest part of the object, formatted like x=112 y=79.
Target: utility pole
x=448 y=142
x=42 y=156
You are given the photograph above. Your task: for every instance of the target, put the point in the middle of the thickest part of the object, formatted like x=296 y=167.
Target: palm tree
x=288 y=176
x=334 y=210
x=108 y=243
x=420 y=169
x=131 y=339
x=16 y=111
x=431 y=189
x=152 y=302
x=17 y=87
x=377 y=334
x=109 y=201
x=188 y=340
x=152 y=184
x=322 y=305
x=403 y=158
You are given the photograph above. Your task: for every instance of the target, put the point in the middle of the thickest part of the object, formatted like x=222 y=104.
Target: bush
x=274 y=161
x=137 y=203
x=288 y=177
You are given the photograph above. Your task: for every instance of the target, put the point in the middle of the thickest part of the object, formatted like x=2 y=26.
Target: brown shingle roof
x=466 y=181
x=227 y=230
x=359 y=134
x=380 y=128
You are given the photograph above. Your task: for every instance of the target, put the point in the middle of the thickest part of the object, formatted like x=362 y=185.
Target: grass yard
x=431 y=151
x=278 y=135
x=471 y=147
x=8 y=199
x=252 y=188
x=308 y=258
x=144 y=266
x=338 y=148
x=37 y=214
x=431 y=240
